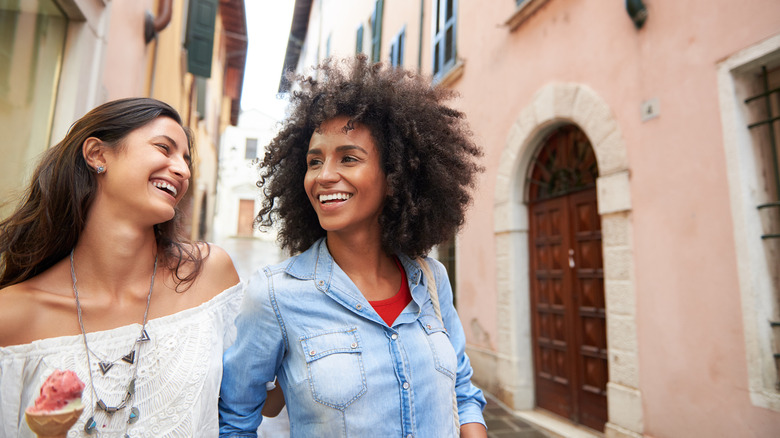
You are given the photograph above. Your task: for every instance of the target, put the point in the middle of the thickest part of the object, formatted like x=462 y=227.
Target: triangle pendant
x=129 y=357
x=144 y=336
x=105 y=366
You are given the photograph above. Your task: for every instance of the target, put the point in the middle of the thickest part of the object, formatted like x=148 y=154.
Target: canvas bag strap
x=434 y=294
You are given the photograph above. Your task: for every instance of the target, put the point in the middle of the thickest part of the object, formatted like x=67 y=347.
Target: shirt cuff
x=471 y=413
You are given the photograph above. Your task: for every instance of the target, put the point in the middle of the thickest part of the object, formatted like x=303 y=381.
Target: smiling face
x=344 y=179
x=148 y=174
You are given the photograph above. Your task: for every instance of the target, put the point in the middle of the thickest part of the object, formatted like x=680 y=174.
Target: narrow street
x=251 y=254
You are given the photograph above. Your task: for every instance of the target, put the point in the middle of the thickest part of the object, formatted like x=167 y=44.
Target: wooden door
x=567 y=301
x=246 y=217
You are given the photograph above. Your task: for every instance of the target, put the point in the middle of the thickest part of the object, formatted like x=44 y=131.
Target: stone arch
x=551 y=106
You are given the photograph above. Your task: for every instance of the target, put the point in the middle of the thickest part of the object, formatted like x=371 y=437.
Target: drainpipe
x=153 y=26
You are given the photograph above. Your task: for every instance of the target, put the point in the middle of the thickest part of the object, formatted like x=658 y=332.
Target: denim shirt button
x=409 y=436
x=429 y=326
x=354 y=345
x=321 y=283
x=312 y=353
x=394 y=336
x=406 y=385
x=359 y=306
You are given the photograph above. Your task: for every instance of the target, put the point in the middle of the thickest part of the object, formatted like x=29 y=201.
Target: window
x=749 y=89
x=359 y=40
x=251 y=149
x=397 y=49
x=376 y=31
x=763 y=123
x=32 y=41
x=444 y=50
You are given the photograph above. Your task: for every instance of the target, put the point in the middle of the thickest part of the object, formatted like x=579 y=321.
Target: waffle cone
x=49 y=425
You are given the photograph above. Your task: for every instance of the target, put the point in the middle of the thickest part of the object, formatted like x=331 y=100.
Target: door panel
x=568 y=317
x=590 y=318
x=549 y=257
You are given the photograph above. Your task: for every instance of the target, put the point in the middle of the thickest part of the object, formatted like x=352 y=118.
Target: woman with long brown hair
x=96 y=278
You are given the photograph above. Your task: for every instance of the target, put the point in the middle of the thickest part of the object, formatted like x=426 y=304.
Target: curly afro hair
x=427 y=154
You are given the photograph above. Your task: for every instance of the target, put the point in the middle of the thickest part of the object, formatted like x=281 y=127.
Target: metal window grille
x=767 y=128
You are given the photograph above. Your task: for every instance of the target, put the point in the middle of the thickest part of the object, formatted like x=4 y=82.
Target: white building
x=238 y=198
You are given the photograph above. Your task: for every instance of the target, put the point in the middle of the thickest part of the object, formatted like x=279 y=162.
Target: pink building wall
x=681 y=265
x=127 y=54
x=692 y=361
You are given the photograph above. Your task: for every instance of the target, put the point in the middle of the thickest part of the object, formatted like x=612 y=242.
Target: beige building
x=61 y=58
x=619 y=270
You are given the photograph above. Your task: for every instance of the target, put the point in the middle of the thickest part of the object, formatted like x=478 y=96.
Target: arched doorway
x=568 y=317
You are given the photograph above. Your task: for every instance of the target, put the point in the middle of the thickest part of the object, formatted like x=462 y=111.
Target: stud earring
x=100 y=169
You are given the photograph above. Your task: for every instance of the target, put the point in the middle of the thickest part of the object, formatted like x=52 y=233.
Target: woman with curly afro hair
x=370 y=170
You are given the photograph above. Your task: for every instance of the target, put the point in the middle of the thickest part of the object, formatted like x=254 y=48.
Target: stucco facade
x=688 y=288
x=104 y=56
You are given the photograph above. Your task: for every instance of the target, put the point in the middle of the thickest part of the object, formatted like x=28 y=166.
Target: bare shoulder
x=217 y=272
x=17 y=311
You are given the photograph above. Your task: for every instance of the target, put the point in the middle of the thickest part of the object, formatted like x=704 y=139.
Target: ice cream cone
x=52 y=425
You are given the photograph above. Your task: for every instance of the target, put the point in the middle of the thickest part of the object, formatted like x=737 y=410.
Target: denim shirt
x=344 y=372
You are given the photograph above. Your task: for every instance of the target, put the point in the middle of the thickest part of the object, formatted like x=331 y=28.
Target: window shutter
x=359 y=40
x=376 y=31
x=200 y=36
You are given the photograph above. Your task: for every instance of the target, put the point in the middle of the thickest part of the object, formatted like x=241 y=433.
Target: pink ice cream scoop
x=60 y=390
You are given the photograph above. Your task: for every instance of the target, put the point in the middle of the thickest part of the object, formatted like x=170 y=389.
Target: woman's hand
x=274 y=402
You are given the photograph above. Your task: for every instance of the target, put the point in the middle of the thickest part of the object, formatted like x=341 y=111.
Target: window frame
x=743 y=171
x=398 y=48
x=441 y=65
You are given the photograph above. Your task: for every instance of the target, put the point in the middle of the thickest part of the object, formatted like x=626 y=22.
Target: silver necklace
x=133 y=357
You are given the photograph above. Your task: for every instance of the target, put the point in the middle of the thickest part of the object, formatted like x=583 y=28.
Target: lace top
x=178 y=375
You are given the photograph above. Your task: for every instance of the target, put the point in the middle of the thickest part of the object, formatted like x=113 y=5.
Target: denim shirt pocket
x=444 y=357
x=335 y=366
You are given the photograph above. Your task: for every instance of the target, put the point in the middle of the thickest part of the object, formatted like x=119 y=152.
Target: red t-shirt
x=390 y=308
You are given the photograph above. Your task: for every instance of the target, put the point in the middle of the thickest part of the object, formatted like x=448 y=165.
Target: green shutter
x=201 y=84
x=359 y=40
x=376 y=31
x=200 y=36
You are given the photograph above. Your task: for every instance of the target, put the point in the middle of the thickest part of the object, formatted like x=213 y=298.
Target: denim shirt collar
x=317 y=264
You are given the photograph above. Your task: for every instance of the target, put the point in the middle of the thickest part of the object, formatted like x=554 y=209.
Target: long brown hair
x=51 y=216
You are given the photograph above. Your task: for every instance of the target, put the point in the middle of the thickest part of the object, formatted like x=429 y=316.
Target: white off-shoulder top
x=178 y=376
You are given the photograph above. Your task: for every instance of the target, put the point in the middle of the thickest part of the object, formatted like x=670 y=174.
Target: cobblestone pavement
x=251 y=254
x=502 y=423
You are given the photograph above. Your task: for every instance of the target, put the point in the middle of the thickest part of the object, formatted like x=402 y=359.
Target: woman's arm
x=471 y=401
x=473 y=430
x=251 y=361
